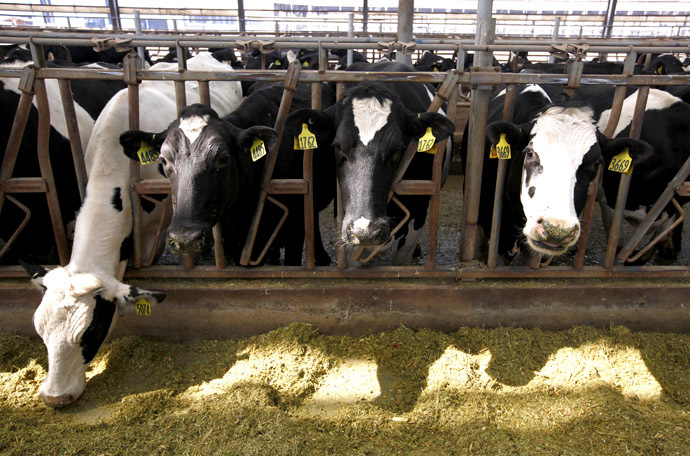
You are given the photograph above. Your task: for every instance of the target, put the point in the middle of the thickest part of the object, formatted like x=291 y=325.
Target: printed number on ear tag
x=621 y=163
x=147 y=154
x=503 y=148
x=258 y=149
x=306 y=139
x=143 y=307
x=427 y=143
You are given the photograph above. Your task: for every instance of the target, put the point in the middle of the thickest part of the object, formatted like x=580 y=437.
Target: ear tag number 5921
x=621 y=163
x=306 y=139
x=143 y=307
x=427 y=142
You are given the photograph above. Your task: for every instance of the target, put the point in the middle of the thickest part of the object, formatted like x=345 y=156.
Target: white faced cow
x=373 y=123
x=555 y=152
x=82 y=300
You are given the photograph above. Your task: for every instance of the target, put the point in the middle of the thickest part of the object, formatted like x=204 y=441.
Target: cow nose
x=558 y=232
x=58 y=401
x=185 y=239
x=368 y=233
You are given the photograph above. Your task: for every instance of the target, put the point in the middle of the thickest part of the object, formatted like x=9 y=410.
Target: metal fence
x=480 y=80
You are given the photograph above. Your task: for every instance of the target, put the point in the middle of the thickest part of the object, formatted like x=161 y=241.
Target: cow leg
x=406 y=246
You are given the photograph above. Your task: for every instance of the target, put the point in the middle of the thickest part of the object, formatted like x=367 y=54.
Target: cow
x=665 y=123
x=555 y=151
x=341 y=55
x=78 y=309
x=433 y=62
x=214 y=178
x=90 y=97
x=372 y=124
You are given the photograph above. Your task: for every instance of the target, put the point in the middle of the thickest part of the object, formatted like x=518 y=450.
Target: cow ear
x=639 y=151
x=441 y=126
x=36 y=272
x=319 y=122
x=516 y=135
x=134 y=140
x=266 y=134
x=133 y=295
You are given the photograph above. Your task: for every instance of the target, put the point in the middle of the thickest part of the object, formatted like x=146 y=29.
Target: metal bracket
x=26 y=82
x=129 y=68
x=561 y=51
x=101 y=44
x=263 y=46
x=406 y=48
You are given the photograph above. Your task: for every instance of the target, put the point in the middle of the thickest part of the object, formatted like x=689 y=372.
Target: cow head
x=559 y=153
x=202 y=156
x=372 y=129
x=76 y=314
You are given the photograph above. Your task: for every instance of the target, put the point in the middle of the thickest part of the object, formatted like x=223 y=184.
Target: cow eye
x=163 y=160
x=223 y=161
x=529 y=152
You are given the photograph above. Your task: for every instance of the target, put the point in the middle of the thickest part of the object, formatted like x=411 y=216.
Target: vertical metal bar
x=240 y=16
x=365 y=15
x=26 y=86
x=508 y=107
x=405 y=18
x=140 y=50
x=619 y=96
x=350 y=34
x=291 y=80
x=180 y=92
x=130 y=76
x=477 y=132
x=74 y=138
x=115 y=14
x=43 y=150
x=624 y=186
x=342 y=262
x=554 y=36
x=587 y=220
x=205 y=93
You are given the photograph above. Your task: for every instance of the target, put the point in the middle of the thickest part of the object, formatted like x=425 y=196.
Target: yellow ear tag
x=621 y=163
x=147 y=154
x=503 y=148
x=143 y=307
x=435 y=69
x=426 y=142
x=277 y=63
x=258 y=149
x=306 y=139
x=305 y=64
x=492 y=152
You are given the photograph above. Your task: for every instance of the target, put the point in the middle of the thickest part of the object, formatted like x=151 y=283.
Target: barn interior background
x=472 y=287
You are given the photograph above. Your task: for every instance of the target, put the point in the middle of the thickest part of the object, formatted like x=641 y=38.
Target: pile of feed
x=294 y=391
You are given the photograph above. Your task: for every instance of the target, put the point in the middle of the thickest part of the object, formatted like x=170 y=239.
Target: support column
x=405 y=17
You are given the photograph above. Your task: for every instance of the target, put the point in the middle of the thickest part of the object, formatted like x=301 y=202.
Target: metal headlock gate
x=356 y=299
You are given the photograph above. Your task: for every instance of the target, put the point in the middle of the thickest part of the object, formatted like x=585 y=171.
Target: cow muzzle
x=552 y=236
x=187 y=239
x=59 y=401
x=366 y=233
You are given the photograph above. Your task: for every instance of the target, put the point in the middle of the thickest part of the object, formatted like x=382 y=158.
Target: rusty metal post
x=477 y=134
x=180 y=92
x=587 y=212
x=405 y=18
x=508 y=107
x=205 y=93
x=130 y=78
x=73 y=131
x=624 y=186
x=43 y=149
x=619 y=95
x=26 y=87
x=291 y=81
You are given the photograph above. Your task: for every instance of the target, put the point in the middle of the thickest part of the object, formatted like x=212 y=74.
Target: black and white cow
x=214 y=178
x=555 y=152
x=665 y=125
x=80 y=300
x=34 y=244
x=433 y=62
x=372 y=124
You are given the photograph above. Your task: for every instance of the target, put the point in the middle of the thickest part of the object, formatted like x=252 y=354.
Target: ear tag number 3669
x=621 y=163
x=500 y=150
x=147 y=154
x=143 y=307
x=306 y=139
x=427 y=143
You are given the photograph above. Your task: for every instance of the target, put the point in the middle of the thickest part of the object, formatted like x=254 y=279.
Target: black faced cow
x=214 y=177
x=373 y=123
x=555 y=152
